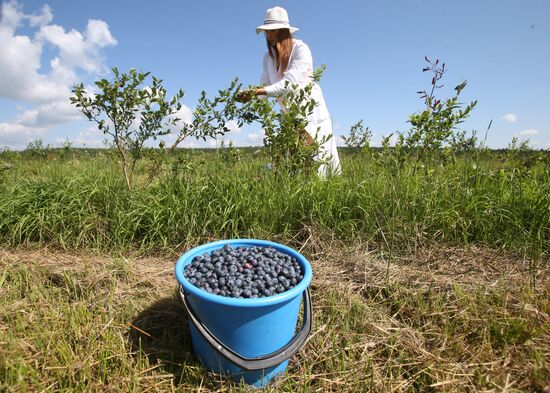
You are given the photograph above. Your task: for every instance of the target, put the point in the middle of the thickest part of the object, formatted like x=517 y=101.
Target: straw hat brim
x=275 y=26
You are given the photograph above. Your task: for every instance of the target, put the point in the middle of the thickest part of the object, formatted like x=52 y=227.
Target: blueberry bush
x=290 y=148
x=131 y=115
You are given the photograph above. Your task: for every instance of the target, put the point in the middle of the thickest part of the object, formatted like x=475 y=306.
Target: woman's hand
x=245 y=95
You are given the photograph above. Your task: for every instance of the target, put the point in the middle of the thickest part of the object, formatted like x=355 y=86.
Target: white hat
x=276 y=18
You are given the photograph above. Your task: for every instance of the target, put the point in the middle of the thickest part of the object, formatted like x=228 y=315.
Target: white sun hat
x=276 y=18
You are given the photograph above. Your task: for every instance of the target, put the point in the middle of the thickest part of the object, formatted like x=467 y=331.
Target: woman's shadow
x=161 y=332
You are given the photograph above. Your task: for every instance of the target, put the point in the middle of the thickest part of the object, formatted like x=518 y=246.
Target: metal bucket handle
x=260 y=362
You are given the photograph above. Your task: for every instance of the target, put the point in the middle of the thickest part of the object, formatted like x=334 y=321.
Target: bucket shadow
x=161 y=332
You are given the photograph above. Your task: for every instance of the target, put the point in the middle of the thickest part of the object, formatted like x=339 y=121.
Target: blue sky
x=374 y=52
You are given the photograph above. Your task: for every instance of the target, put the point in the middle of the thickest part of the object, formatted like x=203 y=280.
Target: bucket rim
x=188 y=256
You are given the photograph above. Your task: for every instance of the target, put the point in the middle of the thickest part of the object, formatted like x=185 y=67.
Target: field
x=426 y=277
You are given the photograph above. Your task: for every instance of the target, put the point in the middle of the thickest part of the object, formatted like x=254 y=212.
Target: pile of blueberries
x=244 y=272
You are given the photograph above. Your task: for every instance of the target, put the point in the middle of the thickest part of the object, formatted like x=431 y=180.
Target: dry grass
x=441 y=319
x=445 y=318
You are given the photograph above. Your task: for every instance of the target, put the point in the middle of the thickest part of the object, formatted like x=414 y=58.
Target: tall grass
x=83 y=202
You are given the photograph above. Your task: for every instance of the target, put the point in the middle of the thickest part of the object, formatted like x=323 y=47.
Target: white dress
x=300 y=72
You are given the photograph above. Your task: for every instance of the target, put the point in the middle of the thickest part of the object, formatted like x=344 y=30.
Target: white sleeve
x=299 y=72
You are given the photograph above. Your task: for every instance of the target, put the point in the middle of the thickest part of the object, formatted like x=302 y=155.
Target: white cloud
x=59 y=142
x=19 y=65
x=17 y=135
x=77 y=49
x=185 y=114
x=233 y=126
x=89 y=137
x=339 y=141
x=539 y=144
x=11 y=15
x=41 y=19
x=98 y=34
x=24 y=78
x=255 y=137
x=529 y=132
x=48 y=115
x=510 y=118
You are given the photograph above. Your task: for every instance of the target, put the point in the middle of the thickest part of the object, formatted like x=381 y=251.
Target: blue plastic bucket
x=249 y=339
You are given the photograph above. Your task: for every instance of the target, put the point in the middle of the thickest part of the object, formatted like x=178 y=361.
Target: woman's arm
x=299 y=72
x=260 y=91
x=246 y=95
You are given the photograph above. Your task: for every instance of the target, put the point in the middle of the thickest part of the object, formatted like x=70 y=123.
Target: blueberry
x=244 y=272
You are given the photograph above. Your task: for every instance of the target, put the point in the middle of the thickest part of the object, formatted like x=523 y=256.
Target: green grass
x=426 y=279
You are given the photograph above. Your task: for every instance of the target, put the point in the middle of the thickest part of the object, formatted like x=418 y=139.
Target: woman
x=290 y=60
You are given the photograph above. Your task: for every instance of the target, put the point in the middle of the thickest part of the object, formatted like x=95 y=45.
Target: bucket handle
x=260 y=362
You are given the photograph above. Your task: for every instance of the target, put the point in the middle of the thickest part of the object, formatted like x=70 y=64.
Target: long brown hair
x=282 y=50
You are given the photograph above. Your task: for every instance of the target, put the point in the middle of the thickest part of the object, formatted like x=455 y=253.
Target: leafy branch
x=131 y=115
